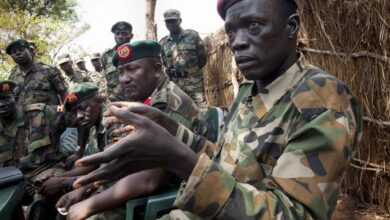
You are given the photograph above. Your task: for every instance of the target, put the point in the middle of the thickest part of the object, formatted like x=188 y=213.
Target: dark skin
x=7 y=108
x=81 y=65
x=23 y=57
x=97 y=64
x=254 y=36
x=67 y=67
x=122 y=36
x=87 y=115
x=173 y=26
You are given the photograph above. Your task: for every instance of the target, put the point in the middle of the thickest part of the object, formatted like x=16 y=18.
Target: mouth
x=245 y=62
x=84 y=123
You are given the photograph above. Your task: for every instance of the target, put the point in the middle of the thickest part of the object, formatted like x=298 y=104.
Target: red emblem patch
x=124 y=52
x=72 y=98
x=5 y=87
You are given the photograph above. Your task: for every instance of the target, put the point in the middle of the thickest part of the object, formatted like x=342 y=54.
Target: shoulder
x=52 y=70
x=191 y=32
x=319 y=92
x=164 y=40
x=107 y=51
x=14 y=71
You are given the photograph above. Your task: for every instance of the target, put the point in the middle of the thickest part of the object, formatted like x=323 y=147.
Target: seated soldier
x=18 y=148
x=142 y=79
x=86 y=104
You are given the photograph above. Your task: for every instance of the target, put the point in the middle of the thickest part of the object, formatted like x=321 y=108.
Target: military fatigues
x=78 y=76
x=111 y=74
x=283 y=152
x=182 y=60
x=100 y=81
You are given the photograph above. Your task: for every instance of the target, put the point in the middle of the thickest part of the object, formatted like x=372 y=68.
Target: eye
x=229 y=32
x=254 y=27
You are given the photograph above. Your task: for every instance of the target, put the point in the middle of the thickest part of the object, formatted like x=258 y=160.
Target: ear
x=293 y=25
x=131 y=36
x=158 y=67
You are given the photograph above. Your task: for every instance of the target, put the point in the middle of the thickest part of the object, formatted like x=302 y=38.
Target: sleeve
x=58 y=83
x=304 y=183
x=163 y=55
x=201 y=52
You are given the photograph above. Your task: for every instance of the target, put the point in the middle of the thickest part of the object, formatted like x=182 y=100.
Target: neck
x=70 y=72
x=25 y=66
x=176 y=32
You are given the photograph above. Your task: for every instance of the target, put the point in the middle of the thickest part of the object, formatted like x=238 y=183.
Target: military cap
x=7 y=86
x=18 y=42
x=95 y=56
x=223 y=5
x=80 y=59
x=171 y=14
x=63 y=59
x=79 y=93
x=136 y=50
x=121 y=25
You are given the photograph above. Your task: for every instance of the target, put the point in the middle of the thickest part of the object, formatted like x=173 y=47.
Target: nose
x=79 y=116
x=124 y=79
x=240 y=41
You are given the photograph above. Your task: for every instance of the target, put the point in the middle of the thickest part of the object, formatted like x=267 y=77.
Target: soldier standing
x=122 y=34
x=289 y=135
x=184 y=56
x=73 y=75
x=97 y=75
x=96 y=62
x=80 y=63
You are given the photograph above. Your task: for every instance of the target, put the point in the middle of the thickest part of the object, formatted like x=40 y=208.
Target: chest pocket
x=38 y=129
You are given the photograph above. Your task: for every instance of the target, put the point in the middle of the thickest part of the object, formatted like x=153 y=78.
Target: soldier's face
x=122 y=36
x=138 y=79
x=21 y=55
x=81 y=65
x=67 y=67
x=86 y=113
x=173 y=25
x=7 y=105
x=97 y=64
x=259 y=38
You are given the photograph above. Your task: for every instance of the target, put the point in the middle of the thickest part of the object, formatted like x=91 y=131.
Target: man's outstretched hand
x=148 y=146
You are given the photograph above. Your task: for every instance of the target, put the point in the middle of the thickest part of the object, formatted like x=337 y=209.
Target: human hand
x=72 y=158
x=56 y=185
x=71 y=198
x=148 y=146
x=79 y=211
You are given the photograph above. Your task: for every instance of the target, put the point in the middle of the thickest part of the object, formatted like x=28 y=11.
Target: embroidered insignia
x=124 y=52
x=5 y=87
x=72 y=98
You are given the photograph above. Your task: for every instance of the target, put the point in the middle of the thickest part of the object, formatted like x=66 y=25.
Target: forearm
x=79 y=171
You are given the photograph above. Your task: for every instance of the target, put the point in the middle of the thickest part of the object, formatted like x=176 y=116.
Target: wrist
x=188 y=162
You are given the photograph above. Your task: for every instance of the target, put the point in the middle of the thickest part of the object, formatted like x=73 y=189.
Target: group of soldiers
x=143 y=125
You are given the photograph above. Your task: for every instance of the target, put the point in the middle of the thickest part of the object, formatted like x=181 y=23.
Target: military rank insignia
x=124 y=52
x=72 y=98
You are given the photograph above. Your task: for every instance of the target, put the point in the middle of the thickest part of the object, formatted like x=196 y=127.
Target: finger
x=126 y=116
x=121 y=104
x=126 y=129
x=68 y=204
x=61 y=202
x=111 y=120
x=94 y=160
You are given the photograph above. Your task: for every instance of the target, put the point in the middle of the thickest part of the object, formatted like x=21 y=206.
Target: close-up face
x=122 y=36
x=81 y=65
x=86 y=112
x=258 y=38
x=173 y=25
x=7 y=105
x=67 y=67
x=138 y=79
x=21 y=55
x=97 y=64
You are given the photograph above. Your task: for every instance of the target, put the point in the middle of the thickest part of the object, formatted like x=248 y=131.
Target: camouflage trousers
x=194 y=87
x=178 y=214
x=118 y=213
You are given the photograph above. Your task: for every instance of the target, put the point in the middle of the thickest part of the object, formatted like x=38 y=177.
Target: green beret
x=79 y=93
x=122 y=25
x=7 y=86
x=18 y=42
x=136 y=50
x=223 y=5
x=171 y=14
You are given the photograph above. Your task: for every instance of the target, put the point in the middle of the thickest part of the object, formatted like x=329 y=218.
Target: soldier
x=184 y=56
x=289 y=135
x=19 y=149
x=122 y=34
x=80 y=62
x=73 y=75
x=143 y=79
x=96 y=62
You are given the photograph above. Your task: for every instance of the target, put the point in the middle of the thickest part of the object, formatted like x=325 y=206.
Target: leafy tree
x=49 y=24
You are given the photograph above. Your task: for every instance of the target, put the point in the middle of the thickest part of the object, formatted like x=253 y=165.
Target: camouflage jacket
x=100 y=81
x=20 y=145
x=78 y=76
x=188 y=54
x=41 y=84
x=112 y=76
x=96 y=139
x=283 y=152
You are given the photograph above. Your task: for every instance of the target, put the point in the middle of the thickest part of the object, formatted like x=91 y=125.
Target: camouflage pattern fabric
x=100 y=81
x=184 y=60
x=41 y=84
x=78 y=76
x=283 y=153
x=111 y=74
x=95 y=143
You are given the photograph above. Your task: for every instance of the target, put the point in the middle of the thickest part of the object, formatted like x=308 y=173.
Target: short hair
x=288 y=7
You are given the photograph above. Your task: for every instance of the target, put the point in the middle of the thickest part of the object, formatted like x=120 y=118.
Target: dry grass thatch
x=350 y=39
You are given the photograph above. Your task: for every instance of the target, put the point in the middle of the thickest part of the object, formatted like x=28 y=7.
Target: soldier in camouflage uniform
x=288 y=138
x=80 y=63
x=97 y=75
x=184 y=56
x=96 y=62
x=122 y=34
x=72 y=75
x=19 y=149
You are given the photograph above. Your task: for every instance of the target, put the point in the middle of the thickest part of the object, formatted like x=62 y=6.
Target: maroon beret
x=223 y=5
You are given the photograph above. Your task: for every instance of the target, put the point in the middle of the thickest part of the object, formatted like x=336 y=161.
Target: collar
x=32 y=68
x=270 y=95
x=164 y=82
x=182 y=33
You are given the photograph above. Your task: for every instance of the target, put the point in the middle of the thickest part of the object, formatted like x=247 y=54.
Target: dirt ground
x=347 y=208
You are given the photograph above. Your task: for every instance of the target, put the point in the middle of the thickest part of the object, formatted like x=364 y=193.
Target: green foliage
x=49 y=24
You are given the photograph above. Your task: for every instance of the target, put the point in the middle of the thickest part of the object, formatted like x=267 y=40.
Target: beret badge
x=5 y=87
x=72 y=98
x=124 y=52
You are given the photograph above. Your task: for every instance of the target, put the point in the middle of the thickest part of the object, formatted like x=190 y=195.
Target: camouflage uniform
x=100 y=81
x=182 y=61
x=96 y=139
x=111 y=74
x=78 y=76
x=283 y=153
